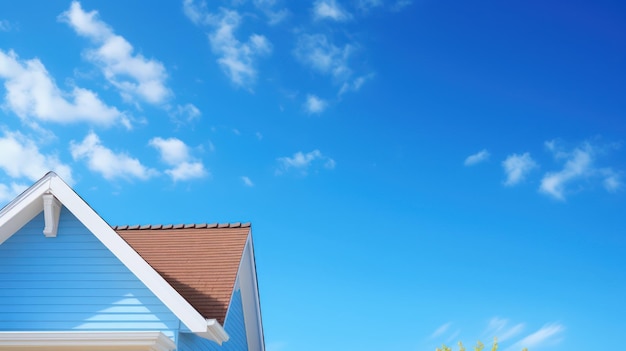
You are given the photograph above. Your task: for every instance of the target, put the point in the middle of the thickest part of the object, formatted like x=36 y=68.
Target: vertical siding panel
x=73 y=282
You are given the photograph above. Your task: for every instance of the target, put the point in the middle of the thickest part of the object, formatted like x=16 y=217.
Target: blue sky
x=416 y=172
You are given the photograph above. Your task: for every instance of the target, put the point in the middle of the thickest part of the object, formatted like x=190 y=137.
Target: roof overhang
x=92 y=341
x=31 y=202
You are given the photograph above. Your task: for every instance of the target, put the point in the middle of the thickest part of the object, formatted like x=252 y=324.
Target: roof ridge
x=182 y=226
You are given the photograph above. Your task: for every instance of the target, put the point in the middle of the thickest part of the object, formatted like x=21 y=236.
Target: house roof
x=200 y=261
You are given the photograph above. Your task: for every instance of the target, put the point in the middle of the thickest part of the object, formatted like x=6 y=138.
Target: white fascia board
x=31 y=200
x=142 y=340
x=247 y=280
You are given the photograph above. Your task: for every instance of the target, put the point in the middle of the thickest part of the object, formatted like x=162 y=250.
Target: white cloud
x=197 y=13
x=20 y=158
x=11 y=191
x=441 y=330
x=500 y=328
x=612 y=182
x=329 y=9
x=32 y=93
x=133 y=74
x=549 y=333
x=579 y=165
x=302 y=162
x=183 y=114
x=237 y=59
x=246 y=181
x=186 y=171
x=356 y=84
x=109 y=164
x=314 y=104
x=316 y=51
x=176 y=153
x=517 y=167
x=274 y=16
x=173 y=150
x=482 y=155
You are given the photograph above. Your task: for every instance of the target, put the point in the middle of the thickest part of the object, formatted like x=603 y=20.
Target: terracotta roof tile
x=199 y=260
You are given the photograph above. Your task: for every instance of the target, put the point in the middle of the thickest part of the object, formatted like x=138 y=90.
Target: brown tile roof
x=199 y=260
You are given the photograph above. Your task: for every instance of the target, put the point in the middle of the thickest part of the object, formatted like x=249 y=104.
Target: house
x=70 y=281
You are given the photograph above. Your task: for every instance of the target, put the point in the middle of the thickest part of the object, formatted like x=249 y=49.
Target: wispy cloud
x=176 y=153
x=274 y=15
x=185 y=114
x=329 y=9
x=500 y=328
x=315 y=105
x=32 y=93
x=516 y=167
x=109 y=164
x=246 y=181
x=482 y=155
x=303 y=161
x=133 y=74
x=612 y=182
x=21 y=158
x=317 y=52
x=548 y=334
x=356 y=84
x=237 y=59
x=441 y=330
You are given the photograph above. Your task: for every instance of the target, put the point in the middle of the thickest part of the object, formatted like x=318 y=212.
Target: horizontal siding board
x=73 y=282
x=93 y=300
x=46 y=292
x=69 y=265
x=70 y=284
x=62 y=308
x=100 y=317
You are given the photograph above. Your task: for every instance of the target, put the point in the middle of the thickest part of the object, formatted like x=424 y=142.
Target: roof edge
x=182 y=226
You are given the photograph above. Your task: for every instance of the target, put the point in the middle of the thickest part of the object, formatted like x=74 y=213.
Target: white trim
x=247 y=281
x=26 y=206
x=144 y=341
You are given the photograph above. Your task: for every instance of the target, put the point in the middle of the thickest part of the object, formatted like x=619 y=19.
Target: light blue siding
x=234 y=326
x=73 y=282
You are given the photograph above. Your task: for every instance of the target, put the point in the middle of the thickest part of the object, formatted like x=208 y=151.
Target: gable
x=72 y=282
x=30 y=203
